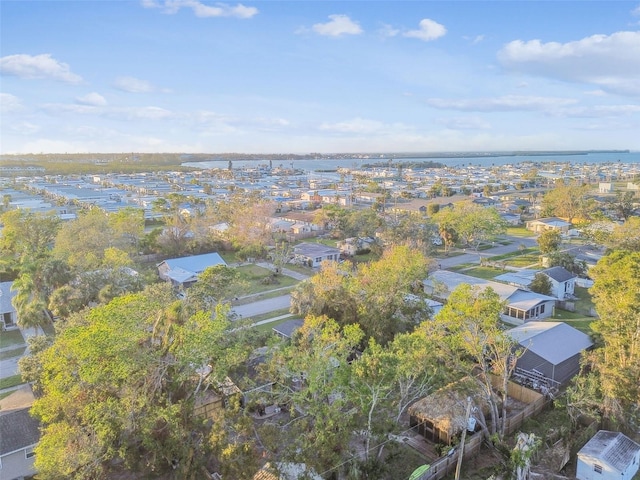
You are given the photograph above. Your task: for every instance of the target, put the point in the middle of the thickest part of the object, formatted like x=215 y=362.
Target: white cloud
x=429 y=30
x=337 y=26
x=9 y=103
x=356 y=125
x=127 y=113
x=37 y=67
x=24 y=128
x=133 y=85
x=388 y=31
x=465 y=123
x=474 y=40
x=599 y=111
x=92 y=98
x=611 y=62
x=501 y=104
x=201 y=10
x=636 y=11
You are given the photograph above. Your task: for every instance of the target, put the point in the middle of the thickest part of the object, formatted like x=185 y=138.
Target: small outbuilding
x=608 y=456
x=440 y=417
x=8 y=315
x=552 y=351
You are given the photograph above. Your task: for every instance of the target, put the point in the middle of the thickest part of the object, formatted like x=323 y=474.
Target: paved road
x=263 y=306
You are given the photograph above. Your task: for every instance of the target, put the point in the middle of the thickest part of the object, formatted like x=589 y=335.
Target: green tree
x=472 y=223
x=568 y=201
x=312 y=376
x=118 y=392
x=625 y=236
x=615 y=367
x=541 y=284
x=26 y=237
x=567 y=261
x=623 y=204
x=478 y=346
x=549 y=241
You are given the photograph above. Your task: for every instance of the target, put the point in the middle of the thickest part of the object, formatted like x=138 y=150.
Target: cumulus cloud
x=133 y=85
x=337 y=26
x=92 y=98
x=428 y=30
x=42 y=66
x=201 y=10
x=500 y=104
x=9 y=103
x=611 y=62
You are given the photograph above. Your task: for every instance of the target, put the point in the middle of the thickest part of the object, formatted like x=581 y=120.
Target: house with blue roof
x=183 y=272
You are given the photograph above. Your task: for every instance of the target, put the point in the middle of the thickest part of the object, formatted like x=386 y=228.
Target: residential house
x=608 y=456
x=562 y=280
x=551 y=223
x=19 y=434
x=351 y=246
x=184 y=271
x=552 y=351
x=8 y=315
x=288 y=328
x=520 y=305
x=605 y=187
x=313 y=254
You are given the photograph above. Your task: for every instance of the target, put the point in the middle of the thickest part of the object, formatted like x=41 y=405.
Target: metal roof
x=612 y=448
x=553 y=341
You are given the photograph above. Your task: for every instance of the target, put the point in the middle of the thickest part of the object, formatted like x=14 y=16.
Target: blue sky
x=318 y=76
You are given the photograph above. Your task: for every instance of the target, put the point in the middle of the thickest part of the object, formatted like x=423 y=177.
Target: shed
x=440 y=417
x=553 y=350
x=607 y=456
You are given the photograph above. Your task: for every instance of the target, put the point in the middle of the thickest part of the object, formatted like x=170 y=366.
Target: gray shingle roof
x=18 y=430
x=613 y=448
x=559 y=274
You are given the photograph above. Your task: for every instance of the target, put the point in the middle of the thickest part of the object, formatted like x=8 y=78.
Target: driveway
x=474 y=257
x=262 y=306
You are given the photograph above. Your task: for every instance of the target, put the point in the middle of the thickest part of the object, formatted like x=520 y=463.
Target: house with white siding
x=608 y=456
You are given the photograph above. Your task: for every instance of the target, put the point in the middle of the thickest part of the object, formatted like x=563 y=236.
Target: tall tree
x=549 y=241
x=478 y=346
x=615 y=367
x=118 y=391
x=568 y=201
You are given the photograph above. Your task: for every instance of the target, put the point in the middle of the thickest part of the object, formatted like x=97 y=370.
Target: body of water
x=485 y=161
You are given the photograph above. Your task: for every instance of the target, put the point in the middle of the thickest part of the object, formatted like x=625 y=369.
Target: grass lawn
x=10 y=381
x=254 y=275
x=585 y=304
x=575 y=319
x=15 y=352
x=518 y=253
x=487 y=273
x=524 y=260
x=520 y=232
x=11 y=337
x=266 y=327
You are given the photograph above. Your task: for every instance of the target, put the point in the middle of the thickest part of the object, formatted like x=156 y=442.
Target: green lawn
x=520 y=232
x=10 y=381
x=255 y=276
x=11 y=337
x=585 y=304
x=575 y=319
x=266 y=327
x=14 y=352
x=487 y=273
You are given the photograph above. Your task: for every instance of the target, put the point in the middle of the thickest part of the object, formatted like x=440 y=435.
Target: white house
x=563 y=282
x=608 y=456
x=552 y=223
x=605 y=187
x=19 y=434
x=184 y=271
x=313 y=254
x=520 y=305
x=8 y=315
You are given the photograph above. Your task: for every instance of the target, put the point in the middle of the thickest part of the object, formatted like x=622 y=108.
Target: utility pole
x=462 y=439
